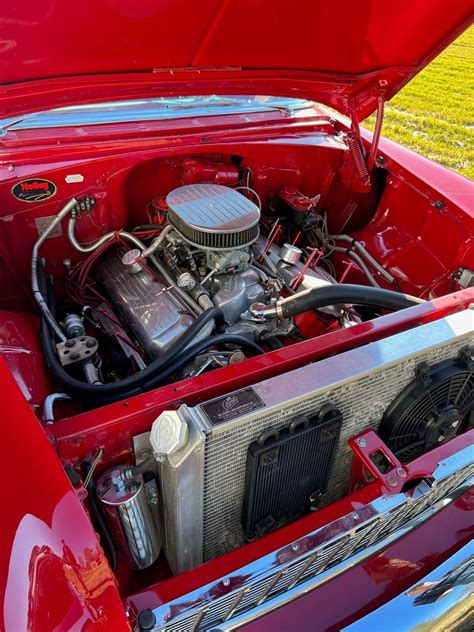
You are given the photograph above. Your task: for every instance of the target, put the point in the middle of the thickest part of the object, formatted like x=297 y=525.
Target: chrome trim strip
x=442 y=600
x=292 y=571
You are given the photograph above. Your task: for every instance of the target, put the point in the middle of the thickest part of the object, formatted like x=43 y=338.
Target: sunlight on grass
x=434 y=113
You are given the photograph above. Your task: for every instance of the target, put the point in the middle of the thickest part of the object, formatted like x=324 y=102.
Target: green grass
x=434 y=113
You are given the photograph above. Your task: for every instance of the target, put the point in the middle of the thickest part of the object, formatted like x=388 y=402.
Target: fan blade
x=466 y=381
x=395 y=437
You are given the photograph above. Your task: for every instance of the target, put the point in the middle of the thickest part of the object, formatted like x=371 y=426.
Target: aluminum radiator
x=202 y=485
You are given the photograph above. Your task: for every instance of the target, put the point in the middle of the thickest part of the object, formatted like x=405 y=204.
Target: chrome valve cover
x=150 y=309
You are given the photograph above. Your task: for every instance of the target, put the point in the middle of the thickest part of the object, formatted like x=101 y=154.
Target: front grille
x=307 y=563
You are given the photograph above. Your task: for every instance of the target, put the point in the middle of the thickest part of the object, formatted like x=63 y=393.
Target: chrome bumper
x=441 y=601
x=298 y=568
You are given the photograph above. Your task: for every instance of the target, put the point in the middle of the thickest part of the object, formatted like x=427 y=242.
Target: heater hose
x=345 y=294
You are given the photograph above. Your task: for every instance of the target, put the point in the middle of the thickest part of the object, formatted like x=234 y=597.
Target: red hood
x=341 y=53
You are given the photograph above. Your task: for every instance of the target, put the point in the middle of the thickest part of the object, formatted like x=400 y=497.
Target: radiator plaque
x=231 y=406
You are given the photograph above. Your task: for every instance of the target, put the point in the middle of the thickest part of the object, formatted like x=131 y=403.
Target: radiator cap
x=169 y=434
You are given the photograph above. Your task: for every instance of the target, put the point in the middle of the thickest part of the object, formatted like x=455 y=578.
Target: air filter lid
x=213 y=216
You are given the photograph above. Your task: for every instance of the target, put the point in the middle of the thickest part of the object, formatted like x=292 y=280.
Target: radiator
x=202 y=485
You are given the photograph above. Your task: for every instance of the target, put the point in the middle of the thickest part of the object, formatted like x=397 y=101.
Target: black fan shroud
x=430 y=410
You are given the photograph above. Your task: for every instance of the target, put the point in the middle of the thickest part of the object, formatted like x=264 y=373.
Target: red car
x=236 y=329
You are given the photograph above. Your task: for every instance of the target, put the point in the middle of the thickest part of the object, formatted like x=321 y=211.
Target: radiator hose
x=335 y=295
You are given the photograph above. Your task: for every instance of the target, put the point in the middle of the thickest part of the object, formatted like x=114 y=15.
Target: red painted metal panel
x=53 y=572
x=102 y=49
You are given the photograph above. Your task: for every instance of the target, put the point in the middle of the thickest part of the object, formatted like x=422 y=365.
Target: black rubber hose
x=140 y=227
x=145 y=466
x=346 y=294
x=133 y=384
x=201 y=346
x=98 y=394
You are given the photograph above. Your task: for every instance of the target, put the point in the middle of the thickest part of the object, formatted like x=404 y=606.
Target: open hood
x=343 y=53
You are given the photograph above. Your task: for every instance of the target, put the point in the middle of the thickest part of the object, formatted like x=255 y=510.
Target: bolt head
x=401 y=472
x=391 y=480
x=70 y=343
x=75 y=355
x=146 y=620
x=361 y=443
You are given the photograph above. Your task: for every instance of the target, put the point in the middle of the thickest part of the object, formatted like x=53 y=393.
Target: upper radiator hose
x=335 y=295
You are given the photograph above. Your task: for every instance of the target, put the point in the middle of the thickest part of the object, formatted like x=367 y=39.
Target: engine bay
x=272 y=245
x=213 y=277
x=236 y=321
x=172 y=271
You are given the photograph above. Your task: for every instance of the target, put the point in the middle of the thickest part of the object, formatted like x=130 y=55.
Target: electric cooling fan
x=432 y=408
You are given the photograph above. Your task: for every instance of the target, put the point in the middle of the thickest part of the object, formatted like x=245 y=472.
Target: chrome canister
x=130 y=515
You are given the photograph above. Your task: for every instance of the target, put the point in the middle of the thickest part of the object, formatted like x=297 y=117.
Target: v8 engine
x=211 y=254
